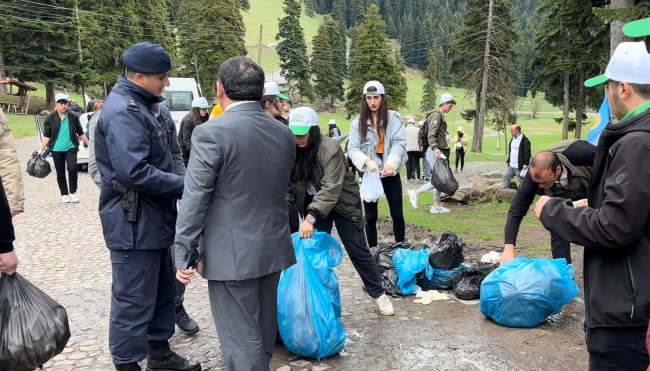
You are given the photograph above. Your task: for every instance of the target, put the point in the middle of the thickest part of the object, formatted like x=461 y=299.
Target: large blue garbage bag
x=523 y=292
x=408 y=264
x=440 y=279
x=309 y=304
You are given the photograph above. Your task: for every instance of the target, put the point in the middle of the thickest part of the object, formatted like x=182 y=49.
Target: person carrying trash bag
x=377 y=144
x=324 y=192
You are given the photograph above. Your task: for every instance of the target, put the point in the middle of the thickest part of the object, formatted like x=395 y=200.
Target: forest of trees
x=496 y=49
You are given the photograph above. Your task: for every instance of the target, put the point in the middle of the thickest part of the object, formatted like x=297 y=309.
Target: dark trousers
x=142 y=305
x=61 y=161
x=617 y=348
x=246 y=315
x=560 y=248
x=352 y=237
x=393 y=190
x=294 y=219
x=413 y=165
x=460 y=155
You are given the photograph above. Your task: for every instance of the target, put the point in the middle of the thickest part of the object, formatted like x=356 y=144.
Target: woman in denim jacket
x=379 y=146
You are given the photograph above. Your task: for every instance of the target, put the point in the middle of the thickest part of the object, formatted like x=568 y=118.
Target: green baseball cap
x=637 y=28
x=302 y=119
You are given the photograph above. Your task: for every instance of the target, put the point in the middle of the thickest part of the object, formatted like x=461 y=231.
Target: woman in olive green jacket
x=325 y=193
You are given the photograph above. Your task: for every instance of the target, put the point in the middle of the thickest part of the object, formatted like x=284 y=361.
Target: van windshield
x=178 y=100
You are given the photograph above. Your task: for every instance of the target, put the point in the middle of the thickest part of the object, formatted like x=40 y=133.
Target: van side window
x=178 y=100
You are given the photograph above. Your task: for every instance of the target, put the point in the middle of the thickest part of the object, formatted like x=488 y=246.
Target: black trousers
x=142 y=304
x=560 y=248
x=617 y=348
x=393 y=190
x=413 y=165
x=460 y=155
x=246 y=315
x=354 y=241
x=61 y=161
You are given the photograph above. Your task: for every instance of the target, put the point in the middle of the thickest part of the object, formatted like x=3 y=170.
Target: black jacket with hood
x=614 y=228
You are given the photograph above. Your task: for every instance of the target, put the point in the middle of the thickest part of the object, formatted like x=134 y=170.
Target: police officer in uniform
x=137 y=208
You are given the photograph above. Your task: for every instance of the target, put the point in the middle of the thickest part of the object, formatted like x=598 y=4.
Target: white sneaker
x=438 y=210
x=65 y=199
x=413 y=197
x=74 y=198
x=384 y=305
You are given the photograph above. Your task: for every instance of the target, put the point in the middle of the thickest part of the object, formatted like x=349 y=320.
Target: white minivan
x=179 y=96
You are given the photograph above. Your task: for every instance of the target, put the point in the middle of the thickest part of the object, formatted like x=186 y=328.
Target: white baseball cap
x=272 y=88
x=446 y=97
x=379 y=88
x=200 y=102
x=61 y=96
x=332 y=122
x=630 y=63
x=411 y=120
x=302 y=119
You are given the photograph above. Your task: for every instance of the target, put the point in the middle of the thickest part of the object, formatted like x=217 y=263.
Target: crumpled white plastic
x=426 y=297
x=492 y=257
x=371 y=188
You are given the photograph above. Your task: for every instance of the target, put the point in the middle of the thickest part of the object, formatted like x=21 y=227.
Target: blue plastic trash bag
x=408 y=264
x=523 y=292
x=441 y=279
x=309 y=304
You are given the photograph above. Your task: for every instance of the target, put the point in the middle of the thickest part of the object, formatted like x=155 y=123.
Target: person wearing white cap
x=272 y=101
x=324 y=191
x=434 y=141
x=335 y=132
x=612 y=223
x=377 y=144
x=197 y=115
x=60 y=136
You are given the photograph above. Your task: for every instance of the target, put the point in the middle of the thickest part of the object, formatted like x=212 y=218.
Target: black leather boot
x=185 y=322
x=162 y=358
x=128 y=367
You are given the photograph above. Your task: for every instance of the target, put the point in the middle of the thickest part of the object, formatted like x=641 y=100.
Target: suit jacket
x=233 y=205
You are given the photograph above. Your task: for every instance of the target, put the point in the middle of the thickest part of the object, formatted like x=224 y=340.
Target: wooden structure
x=21 y=103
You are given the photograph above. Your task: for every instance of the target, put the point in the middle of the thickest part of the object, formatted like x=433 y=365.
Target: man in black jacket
x=563 y=170
x=518 y=156
x=614 y=227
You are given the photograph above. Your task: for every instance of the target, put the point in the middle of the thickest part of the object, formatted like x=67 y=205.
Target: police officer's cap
x=147 y=58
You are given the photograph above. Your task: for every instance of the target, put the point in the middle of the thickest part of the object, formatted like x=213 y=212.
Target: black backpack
x=423 y=136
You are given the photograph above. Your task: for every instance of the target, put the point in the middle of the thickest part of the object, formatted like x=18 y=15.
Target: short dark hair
x=242 y=79
x=642 y=89
x=545 y=160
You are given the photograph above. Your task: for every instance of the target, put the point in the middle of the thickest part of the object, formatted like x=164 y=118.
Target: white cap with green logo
x=629 y=63
x=302 y=119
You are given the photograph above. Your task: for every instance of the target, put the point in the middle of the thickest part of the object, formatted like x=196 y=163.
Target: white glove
x=372 y=167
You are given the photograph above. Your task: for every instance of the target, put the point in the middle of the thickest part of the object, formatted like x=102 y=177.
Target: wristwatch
x=310 y=219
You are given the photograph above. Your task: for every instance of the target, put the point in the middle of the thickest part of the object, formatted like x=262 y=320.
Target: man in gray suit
x=234 y=208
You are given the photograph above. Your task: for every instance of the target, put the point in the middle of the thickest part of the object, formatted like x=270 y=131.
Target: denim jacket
x=394 y=143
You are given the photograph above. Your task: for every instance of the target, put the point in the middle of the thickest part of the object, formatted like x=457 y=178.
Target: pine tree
x=326 y=77
x=338 y=44
x=428 y=102
x=203 y=50
x=292 y=51
x=245 y=4
x=372 y=60
x=339 y=12
x=45 y=53
x=467 y=54
x=310 y=8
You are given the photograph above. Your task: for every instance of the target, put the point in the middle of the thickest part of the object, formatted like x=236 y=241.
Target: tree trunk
x=477 y=143
x=580 y=106
x=477 y=102
x=565 y=110
x=616 y=27
x=3 y=72
x=49 y=95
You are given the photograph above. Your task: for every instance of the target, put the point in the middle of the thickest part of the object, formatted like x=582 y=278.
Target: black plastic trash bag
x=38 y=166
x=383 y=253
x=467 y=285
x=447 y=253
x=33 y=327
x=442 y=178
x=389 y=283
